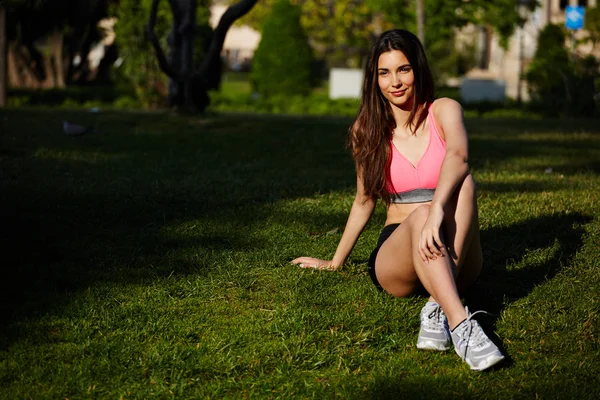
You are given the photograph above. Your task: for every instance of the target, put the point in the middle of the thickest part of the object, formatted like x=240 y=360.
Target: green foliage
x=282 y=62
x=443 y=56
x=236 y=96
x=548 y=72
x=140 y=66
x=592 y=24
x=313 y=104
x=560 y=84
x=341 y=32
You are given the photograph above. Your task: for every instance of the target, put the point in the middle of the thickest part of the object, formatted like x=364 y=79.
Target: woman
x=411 y=151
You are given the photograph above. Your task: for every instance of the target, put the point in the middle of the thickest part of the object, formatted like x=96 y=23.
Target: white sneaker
x=434 y=333
x=473 y=345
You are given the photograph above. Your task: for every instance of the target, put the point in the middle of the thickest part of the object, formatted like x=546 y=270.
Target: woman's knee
x=468 y=186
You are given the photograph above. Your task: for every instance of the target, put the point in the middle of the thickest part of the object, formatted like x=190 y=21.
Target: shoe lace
x=473 y=336
x=433 y=317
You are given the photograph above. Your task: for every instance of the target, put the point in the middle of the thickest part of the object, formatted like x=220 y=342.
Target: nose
x=396 y=82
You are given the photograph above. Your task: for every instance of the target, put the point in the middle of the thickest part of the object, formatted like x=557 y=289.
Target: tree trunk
x=14 y=74
x=56 y=55
x=3 y=57
x=188 y=31
x=420 y=22
x=174 y=42
x=188 y=86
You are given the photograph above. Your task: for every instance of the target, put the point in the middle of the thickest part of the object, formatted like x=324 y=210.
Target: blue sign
x=574 y=17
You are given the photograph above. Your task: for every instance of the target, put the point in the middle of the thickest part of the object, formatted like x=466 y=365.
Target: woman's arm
x=449 y=117
x=361 y=212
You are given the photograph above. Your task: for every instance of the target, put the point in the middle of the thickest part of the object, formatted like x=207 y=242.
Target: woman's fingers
x=305 y=260
x=430 y=246
x=439 y=245
x=425 y=252
x=311 y=262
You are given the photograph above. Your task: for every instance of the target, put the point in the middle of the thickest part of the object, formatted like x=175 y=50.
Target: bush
x=140 y=68
x=559 y=84
x=71 y=96
x=282 y=63
x=313 y=104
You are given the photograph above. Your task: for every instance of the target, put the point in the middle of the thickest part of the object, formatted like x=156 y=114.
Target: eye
x=405 y=69
x=382 y=73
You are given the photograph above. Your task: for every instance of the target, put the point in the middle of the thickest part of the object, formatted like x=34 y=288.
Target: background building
x=507 y=65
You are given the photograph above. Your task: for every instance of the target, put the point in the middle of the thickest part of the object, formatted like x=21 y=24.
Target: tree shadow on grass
x=110 y=208
x=78 y=211
x=519 y=257
x=49 y=256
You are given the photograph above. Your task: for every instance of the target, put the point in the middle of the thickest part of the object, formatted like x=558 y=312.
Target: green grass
x=151 y=260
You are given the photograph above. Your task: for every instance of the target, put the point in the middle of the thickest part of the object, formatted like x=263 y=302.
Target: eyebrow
x=386 y=69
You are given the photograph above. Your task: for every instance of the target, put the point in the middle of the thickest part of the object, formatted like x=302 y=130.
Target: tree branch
x=162 y=60
x=233 y=13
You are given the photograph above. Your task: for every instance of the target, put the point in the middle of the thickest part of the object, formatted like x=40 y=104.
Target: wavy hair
x=369 y=137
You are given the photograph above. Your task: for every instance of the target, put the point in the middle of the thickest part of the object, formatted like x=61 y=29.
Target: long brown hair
x=369 y=137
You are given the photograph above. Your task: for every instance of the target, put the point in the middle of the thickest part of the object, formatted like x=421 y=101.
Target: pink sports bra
x=416 y=184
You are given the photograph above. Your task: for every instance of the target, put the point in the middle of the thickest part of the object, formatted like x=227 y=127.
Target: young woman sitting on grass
x=411 y=151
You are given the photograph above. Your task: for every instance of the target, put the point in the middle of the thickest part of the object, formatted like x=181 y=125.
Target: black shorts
x=385 y=233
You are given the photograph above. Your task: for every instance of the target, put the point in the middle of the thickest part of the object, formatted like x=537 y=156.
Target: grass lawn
x=151 y=260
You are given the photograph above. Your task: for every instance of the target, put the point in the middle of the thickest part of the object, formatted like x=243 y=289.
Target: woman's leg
x=461 y=234
x=400 y=269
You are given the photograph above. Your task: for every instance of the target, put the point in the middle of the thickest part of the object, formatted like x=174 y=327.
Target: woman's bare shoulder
x=445 y=106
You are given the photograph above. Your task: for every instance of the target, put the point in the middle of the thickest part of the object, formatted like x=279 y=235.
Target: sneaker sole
x=431 y=345
x=489 y=362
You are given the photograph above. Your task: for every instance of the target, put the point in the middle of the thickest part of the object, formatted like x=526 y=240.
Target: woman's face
x=396 y=78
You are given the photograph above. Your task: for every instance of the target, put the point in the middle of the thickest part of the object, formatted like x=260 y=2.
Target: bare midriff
x=397 y=213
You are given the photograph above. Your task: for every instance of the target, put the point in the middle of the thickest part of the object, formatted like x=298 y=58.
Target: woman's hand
x=430 y=244
x=311 y=262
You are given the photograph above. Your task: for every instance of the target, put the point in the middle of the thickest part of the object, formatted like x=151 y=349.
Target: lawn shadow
x=147 y=200
x=78 y=211
x=521 y=256
x=50 y=255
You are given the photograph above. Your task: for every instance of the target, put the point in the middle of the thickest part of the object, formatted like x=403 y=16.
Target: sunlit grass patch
x=153 y=260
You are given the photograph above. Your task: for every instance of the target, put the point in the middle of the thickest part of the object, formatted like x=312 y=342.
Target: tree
x=190 y=82
x=592 y=25
x=548 y=73
x=4 y=8
x=339 y=31
x=342 y=31
x=561 y=84
x=3 y=57
x=420 y=21
x=282 y=61
x=139 y=68
x=59 y=22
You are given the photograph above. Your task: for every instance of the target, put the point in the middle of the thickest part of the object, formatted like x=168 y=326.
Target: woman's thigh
x=394 y=265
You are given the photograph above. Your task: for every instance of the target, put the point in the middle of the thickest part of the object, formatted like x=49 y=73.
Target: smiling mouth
x=398 y=93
